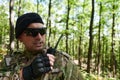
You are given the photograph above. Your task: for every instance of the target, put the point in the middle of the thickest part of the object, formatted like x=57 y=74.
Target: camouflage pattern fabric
x=64 y=68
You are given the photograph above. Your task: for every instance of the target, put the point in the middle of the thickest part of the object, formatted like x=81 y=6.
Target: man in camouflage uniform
x=37 y=62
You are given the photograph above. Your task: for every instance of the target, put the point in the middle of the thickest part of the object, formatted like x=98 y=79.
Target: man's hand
x=51 y=59
x=41 y=64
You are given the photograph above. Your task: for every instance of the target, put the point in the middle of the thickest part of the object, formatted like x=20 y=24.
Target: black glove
x=51 y=51
x=37 y=68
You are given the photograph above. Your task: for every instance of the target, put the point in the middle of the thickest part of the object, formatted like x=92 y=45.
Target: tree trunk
x=11 y=20
x=99 y=42
x=19 y=10
x=79 y=51
x=73 y=46
x=48 y=25
x=67 y=21
x=103 y=55
x=80 y=39
x=112 y=60
x=91 y=38
x=37 y=6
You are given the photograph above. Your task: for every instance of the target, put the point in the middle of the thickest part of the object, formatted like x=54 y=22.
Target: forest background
x=91 y=30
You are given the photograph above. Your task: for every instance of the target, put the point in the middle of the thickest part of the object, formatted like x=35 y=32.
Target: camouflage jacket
x=64 y=68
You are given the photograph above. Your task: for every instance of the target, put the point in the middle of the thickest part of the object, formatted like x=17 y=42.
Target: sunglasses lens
x=28 y=33
x=42 y=31
x=34 y=31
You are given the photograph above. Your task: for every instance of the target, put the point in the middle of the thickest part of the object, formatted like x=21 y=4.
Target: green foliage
x=4 y=23
x=2 y=53
x=96 y=77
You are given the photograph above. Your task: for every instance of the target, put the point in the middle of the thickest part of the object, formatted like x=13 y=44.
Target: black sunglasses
x=34 y=31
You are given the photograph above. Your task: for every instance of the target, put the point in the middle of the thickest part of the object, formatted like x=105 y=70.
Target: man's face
x=32 y=38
